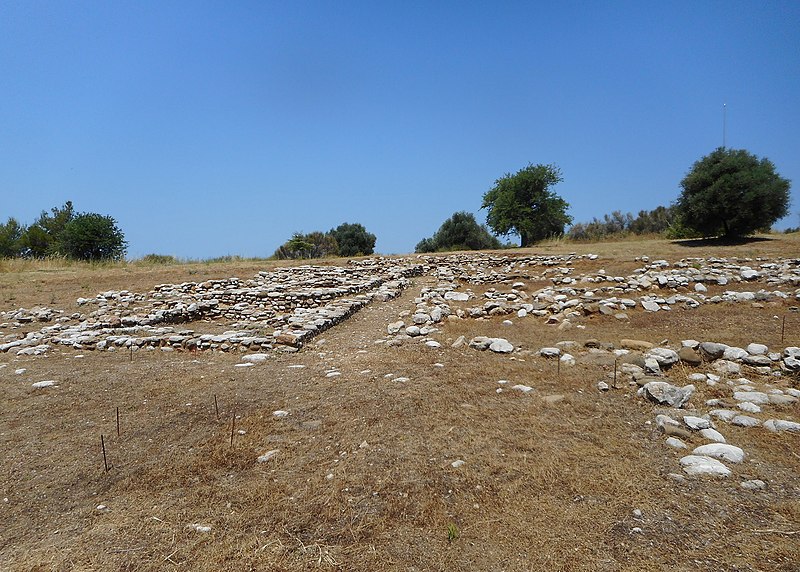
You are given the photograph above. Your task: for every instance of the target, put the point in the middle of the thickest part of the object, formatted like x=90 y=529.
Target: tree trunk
x=524 y=239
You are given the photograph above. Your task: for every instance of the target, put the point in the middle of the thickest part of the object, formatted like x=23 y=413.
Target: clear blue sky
x=212 y=128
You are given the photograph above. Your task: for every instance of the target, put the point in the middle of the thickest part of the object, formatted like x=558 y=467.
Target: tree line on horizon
x=63 y=232
x=729 y=193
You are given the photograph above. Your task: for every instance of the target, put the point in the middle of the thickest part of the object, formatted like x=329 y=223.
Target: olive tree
x=525 y=204
x=732 y=193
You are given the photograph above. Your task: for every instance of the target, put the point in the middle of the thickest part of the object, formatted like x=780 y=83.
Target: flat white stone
x=267 y=456
x=754 y=485
x=701 y=465
x=523 y=388
x=745 y=421
x=757 y=349
x=243 y=364
x=458 y=463
x=778 y=425
x=41 y=384
x=502 y=346
x=255 y=358
x=712 y=435
x=757 y=397
x=749 y=407
x=721 y=451
x=433 y=344
x=456 y=296
x=676 y=443
x=696 y=423
x=723 y=414
x=280 y=414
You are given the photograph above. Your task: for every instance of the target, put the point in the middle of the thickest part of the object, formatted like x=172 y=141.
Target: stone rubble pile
x=572 y=297
x=285 y=307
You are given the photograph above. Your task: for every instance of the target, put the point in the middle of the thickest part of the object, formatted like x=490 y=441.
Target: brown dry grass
x=543 y=487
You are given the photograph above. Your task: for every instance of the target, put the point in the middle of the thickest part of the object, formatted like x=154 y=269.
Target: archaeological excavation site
x=624 y=406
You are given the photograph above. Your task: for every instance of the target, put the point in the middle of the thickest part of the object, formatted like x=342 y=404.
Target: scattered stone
x=712 y=350
x=200 y=528
x=636 y=345
x=701 y=465
x=664 y=356
x=723 y=414
x=602 y=386
x=255 y=358
x=689 y=356
x=754 y=485
x=696 y=423
x=778 y=425
x=42 y=384
x=745 y=421
x=650 y=306
x=676 y=443
x=666 y=393
x=749 y=407
x=280 y=414
x=721 y=451
x=458 y=463
x=757 y=349
x=712 y=435
x=501 y=346
x=267 y=456
x=523 y=388
x=757 y=397
x=550 y=352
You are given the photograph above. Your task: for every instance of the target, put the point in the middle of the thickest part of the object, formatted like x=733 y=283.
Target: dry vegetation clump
x=364 y=476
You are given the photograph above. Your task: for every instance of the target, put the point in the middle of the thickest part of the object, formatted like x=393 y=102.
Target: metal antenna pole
x=724 y=123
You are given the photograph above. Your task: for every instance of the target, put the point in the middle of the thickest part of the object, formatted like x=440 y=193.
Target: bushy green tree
x=353 y=239
x=459 y=232
x=11 y=245
x=91 y=236
x=732 y=193
x=524 y=204
x=312 y=245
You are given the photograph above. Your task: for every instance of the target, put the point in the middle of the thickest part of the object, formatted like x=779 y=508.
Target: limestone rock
x=666 y=393
x=778 y=425
x=701 y=465
x=712 y=435
x=721 y=451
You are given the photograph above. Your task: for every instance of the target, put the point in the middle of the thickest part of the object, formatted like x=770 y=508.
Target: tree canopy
x=312 y=245
x=11 y=234
x=459 y=232
x=91 y=236
x=62 y=232
x=732 y=193
x=353 y=239
x=524 y=204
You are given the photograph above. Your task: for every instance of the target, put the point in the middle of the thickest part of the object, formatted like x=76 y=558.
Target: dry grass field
x=363 y=478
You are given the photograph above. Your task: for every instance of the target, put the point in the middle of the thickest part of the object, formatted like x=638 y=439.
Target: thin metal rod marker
x=103 y=445
x=117 y=421
x=233 y=425
x=216 y=405
x=558 y=367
